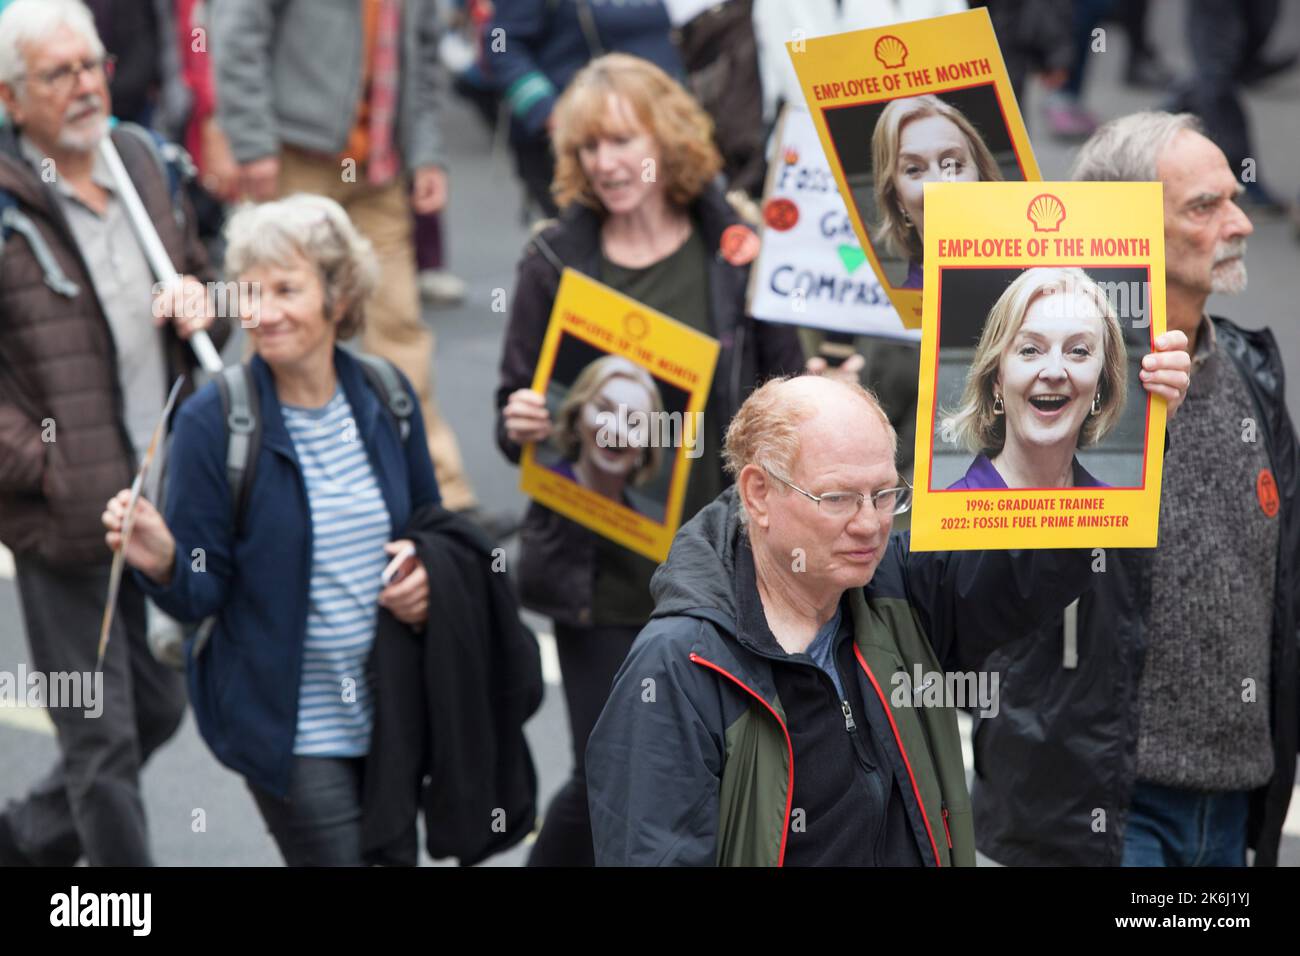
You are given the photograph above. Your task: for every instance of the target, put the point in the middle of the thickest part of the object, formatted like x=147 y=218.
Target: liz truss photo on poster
x=625 y=387
x=1037 y=381
x=903 y=106
x=890 y=150
x=614 y=427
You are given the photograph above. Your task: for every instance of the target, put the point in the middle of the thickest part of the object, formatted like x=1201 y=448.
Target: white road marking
x=1291 y=825
x=32 y=719
x=550 y=658
x=964 y=724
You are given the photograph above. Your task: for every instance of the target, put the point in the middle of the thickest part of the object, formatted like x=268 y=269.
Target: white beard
x=86 y=138
x=1229 y=279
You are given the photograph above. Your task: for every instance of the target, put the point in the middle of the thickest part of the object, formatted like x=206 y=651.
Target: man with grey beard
x=86 y=358
x=1159 y=728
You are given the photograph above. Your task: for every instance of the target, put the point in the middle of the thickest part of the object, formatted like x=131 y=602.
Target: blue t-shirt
x=822 y=650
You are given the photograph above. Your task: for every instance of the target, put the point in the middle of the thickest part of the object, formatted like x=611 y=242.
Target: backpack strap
x=243 y=421
x=548 y=252
x=387 y=383
x=13 y=219
x=239 y=406
x=240 y=414
x=173 y=161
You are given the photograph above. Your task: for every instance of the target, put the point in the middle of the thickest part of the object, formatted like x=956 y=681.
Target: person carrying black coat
x=452 y=699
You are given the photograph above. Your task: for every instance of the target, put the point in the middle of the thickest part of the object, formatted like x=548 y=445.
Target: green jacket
x=691 y=761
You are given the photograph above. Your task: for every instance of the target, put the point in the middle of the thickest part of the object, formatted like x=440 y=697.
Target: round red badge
x=739 y=245
x=1266 y=491
x=781 y=214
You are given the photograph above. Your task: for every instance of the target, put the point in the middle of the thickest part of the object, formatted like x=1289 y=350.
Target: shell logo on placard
x=891 y=51
x=791 y=156
x=1046 y=212
x=635 y=325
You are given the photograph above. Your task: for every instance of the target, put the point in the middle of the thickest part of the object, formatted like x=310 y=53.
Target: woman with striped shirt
x=281 y=691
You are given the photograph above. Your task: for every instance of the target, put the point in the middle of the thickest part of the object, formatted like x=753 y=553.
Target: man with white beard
x=86 y=358
x=1159 y=729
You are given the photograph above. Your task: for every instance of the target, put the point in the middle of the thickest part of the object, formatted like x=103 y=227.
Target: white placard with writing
x=811 y=269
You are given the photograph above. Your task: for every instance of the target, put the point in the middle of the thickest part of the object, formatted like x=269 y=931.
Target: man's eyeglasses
x=844 y=504
x=64 y=79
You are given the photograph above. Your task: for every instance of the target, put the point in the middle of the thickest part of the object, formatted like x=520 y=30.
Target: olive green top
x=677 y=286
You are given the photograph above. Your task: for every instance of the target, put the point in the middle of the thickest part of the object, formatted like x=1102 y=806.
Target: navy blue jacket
x=546 y=44
x=244 y=683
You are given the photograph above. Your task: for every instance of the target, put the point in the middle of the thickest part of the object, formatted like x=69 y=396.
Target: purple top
x=915 y=275
x=564 y=467
x=982 y=474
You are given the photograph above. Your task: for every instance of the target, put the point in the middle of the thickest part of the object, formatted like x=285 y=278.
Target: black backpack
x=239 y=409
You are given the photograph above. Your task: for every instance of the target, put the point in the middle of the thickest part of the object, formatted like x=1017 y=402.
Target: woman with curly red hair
x=635 y=171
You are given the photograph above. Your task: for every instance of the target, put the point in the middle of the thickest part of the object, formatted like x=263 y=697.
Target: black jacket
x=450 y=707
x=1064 y=744
x=853 y=809
x=693 y=760
x=555 y=571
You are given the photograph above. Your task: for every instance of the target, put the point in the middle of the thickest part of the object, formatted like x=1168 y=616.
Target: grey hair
x=1127 y=149
x=26 y=22
x=315 y=228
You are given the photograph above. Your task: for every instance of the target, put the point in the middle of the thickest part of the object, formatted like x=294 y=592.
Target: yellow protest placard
x=626 y=388
x=810 y=269
x=1033 y=428
x=902 y=106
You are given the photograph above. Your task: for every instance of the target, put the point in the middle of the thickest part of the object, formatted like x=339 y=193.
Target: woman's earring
x=998 y=407
x=906 y=218
x=1096 y=404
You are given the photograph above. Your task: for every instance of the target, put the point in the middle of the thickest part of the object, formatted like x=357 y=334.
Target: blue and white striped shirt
x=350 y=525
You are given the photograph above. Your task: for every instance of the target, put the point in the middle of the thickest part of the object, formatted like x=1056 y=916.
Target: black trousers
x=1224 y=36
x=589 y=659
x=319 y=822
x=89 y=804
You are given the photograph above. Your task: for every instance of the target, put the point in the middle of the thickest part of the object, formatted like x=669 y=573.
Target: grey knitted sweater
x=1203 y=697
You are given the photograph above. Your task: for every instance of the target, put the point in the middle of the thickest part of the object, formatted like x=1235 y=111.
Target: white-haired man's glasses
x=63 y=79
x=843 y=504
